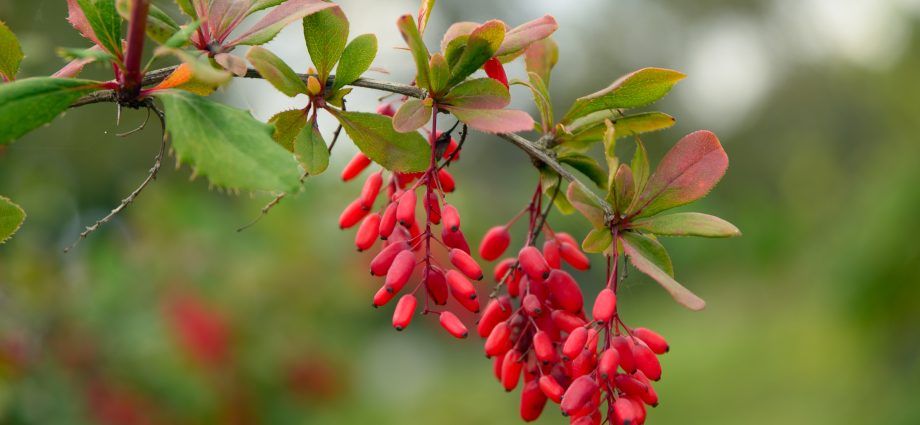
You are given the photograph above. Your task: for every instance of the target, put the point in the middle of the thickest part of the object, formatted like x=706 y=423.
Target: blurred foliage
x=170 y=316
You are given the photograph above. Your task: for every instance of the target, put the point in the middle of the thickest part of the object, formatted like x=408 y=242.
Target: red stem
x=137 y=26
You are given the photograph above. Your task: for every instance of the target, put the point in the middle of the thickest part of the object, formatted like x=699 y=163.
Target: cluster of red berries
x=407 y=242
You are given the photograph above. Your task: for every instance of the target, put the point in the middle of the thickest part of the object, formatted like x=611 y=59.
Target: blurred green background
x=813 y=315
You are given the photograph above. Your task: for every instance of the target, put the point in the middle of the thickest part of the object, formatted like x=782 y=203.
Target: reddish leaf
x=688 y=172
x=649 y=257
x=458 y=29
x=79 y=21
x=479 y=93
x=493 y=120
x=521 y=36
x=271 y=24
x=411 y=115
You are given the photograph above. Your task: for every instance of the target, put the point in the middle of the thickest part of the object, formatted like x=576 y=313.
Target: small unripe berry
x=578 y=394
x=455 y=240
x=604 y=305
x=608 y=363
x=382 y=297
x=551 y=388
x=466 y=264
x=436 y=284
x=494 y=243
x=352 y=214
x=533 y=263
x=451 y=218
x=388 y=221
x=532 y=305
x=498 y=310
x=405 y=309
x=499 y=341
x=575 y=343
x=446 y=180
x=655 y=342
x=371 y=189
x=511 y=369
x=313 y=86
x=453 y=325
x=572 y=255
x=543 y=347
x=622 y=345
x=368 y=232
x=384 y=259
x=565 y=291
x=357 y=164
x=405 y=211
x=460 y=286
x=551 y=253
x=400 y=271
x=532 y=401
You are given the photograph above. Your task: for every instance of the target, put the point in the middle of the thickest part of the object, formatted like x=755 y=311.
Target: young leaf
x=180 y=38
x=649 y=257
x=439 y=74
x=597 y=241
x=288 y=124
x=587 y=166
x=687 y=224
x=90 y=55
x=686 y=173
x=275 y=71
x=311 y=149
x=10 y=54
x=480 y=47
x=326 y=33
x=78 y=20
x=493 y=120
x=625 y=189
x=633 y=90
x=424 y=12
x=541 y=98
x=591 y=126
x=521 y=36
x=31 y=102
x=586 y=205
x=105 y=22
x=550 y=179
x=227 y=145
x=160 y=26
x=356 y=59
x=273 y=22
x=541 y=57
x=640 y=167
x=610 y=152
x=375 y=136
x=456 y=31
x=418 y=49
x=186 y=7
x=411 y=115
x=11 y=218
x=479 y=93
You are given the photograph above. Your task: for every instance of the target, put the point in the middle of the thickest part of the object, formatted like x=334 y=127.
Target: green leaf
x=375 y=136
x=412 y=115
x=311 y=149
x=287 y=126
x=597 y=241
x=550 y=179
x=440 y=74
x=357 y=57
x=454 y=49
x=610 y=152
x=624 y=190
x=186 y=7
x=687 y=224
x=11 y=218
x=326 y=33
x=493 y=120
x=480 y=47
x=633 y=90
x=541 y=98
x=541 y=57
x=31 y=102
x=686 y=173
x=265 y=29
x=275 y=71
x=640 y=167
x=424 y=12
x=479 y=93
x=181 y=37
x=587 y=166
x=227 y=145
x=160 y=26
x=586 y=205
x=91 y=54
x=591 y=125
x=105 y=21
x=649 y=257
x=418 y=49
x=10 y=53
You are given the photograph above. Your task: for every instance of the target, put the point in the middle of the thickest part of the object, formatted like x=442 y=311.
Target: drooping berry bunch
x=408 y=243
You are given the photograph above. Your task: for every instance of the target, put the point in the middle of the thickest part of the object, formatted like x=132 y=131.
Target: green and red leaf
x=649 y=257
x=686 y=224
x=274 y=21
x=493 y=120
x=412 y=115
x=420 y=55
x=586 y=205
x=520 y=37
x=633 y=90
x=479 y=93
x=481 y=45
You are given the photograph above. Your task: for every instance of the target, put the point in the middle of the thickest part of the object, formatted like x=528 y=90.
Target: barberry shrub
x=534 y=320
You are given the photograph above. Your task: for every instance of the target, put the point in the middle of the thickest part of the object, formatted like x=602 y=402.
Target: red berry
x=433 y=207
x=496 y=71
x=646 y=361
x=622 y=345
x=584 y=364
x=446 y=180
x=543 y=347
x=382 y=262
x=655 y=342
x=405 y=211
x=498 y=310
x=624 y=412
x=405 y=308
x=533 y=263
x=575 y=343
x=460 y=287
x=565 y=237
x=566 y=321
x=357 y=164
x=436 y=284
x=466 y=264
x=572 y=255
x=453 y=325
x=502 y=268
x=382 y=297
x=388 y=221
x=511 y=369
x=578 y=394
x=608 y=363
x=386 y=109
x=455 y=240
x=352 y=214
x=497 y=367
x=650 y=397
x=638 y=409
x=551 y=253
x=532 y=401
x=368 y=232
x=532 y=305
x=400 y=271
x=499 y=341
x=630 y=385
x=565 y=291
x=551 y=388
x=451 y=218
x=371 y=189
x=604 y=305
x=494 y=243
x=471 y=304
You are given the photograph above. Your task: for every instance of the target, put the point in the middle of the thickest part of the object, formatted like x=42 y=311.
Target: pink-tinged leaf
x=493 y=120
x=231 y=63
x=458 y=29
x=586 y=205
x=649 y=257
x=518 y=38
x=225 y=15
x=272 y=23
x=687 y=224
x=481 y=46
x=541 y=57
x=424 y=12
x=411 y=115
x=686 y=173
x=75 y=67
x=77 y=18
x=479 y=93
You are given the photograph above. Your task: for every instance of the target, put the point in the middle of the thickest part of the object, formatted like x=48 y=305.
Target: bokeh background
x=168 y=315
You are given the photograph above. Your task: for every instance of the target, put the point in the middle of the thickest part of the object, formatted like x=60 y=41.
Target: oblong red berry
x=646 y=361
x=466 y=264
x=494 y=243
x=655 y=342
x=451 y=217
x=630 y=385
x=624 y=412
x=357 y=164
x=382 y=297
x=584 y=364
x=352 y=214
x=565 y=291
x=502 y=268
x=404 y=311
x=453 y=325
x=388 y=221
x=532 y=401
x=565 y=237
x=446 y=180
x=575 y=343
x=499 y=341
x=433 y=207
x=650 y=397
x=572 y=255
x=368 y=232
x=371 y=189
x=470 y=304
x=497 y=367
x=405 y=210
x=566 y=321
x=622 y=345
x=494 y=70
x=436 y=285
x=604 y=305
x=497 y=310
x=384 y=259
x=543 y=347
x=639 y=411
x=551 y=253
x=455 y=240
x=511 y=369
x=533 y=263
x=551 y=388
x=608 y=363
x=400 y=271
x=460 y=286
x=578 y=395
x=532 y=305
